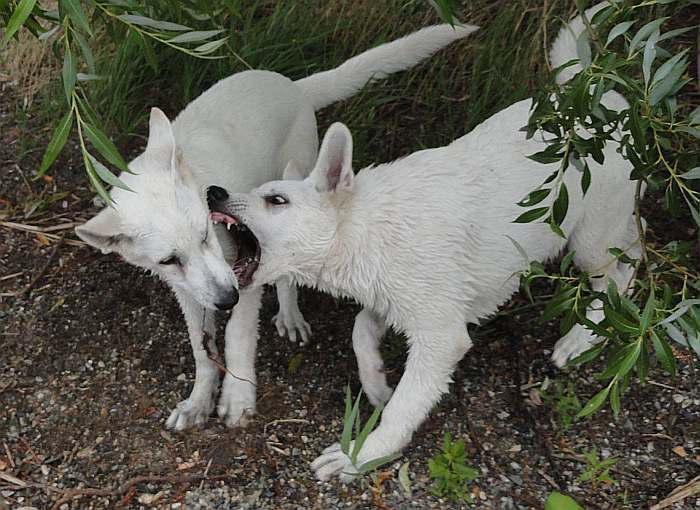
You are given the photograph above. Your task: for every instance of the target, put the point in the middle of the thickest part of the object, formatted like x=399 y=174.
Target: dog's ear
x=333 y=170
x=292 y=172
x=103 y=231
x=161 y=139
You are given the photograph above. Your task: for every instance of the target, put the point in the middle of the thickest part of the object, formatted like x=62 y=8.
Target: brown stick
x=132 y=482
x=679 y=494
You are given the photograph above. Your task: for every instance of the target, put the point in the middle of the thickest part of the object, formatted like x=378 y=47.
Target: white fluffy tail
x=564 y=47
x=348 y=78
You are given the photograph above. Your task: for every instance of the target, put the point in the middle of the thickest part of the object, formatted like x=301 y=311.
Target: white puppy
x=423 y=244
x=238 y=134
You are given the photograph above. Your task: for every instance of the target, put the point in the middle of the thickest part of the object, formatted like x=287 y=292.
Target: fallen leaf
x=149 y=499
x=185 y=466
x=43 y=240
x=3 y=465
x=680 y=451
x=149 y=411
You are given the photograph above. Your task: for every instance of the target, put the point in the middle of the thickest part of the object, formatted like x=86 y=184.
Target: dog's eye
x=170 y=261
x=276 y=200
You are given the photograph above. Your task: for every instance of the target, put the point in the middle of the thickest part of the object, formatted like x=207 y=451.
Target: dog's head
x=289 y=226
x=163 y=225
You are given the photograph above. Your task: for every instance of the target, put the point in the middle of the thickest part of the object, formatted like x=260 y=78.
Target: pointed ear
x=103 y=231
x=333 y=170
x=292 y=172
x=161 y=139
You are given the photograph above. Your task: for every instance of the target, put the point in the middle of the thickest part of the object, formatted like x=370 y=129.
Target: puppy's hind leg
x=366 y=335
x=593 y=257
x=289 y=321
x=237 y=401
x=196 y=409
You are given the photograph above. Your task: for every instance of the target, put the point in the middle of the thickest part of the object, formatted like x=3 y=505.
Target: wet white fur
x=422 y=243
x=237 y=135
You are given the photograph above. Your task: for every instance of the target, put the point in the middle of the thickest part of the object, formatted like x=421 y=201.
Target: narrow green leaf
x=107 y=176
x=667 y=66
x=366 y=430
x=95 y=181
x=534 y=197
x=665 y=86
x=76 y=14
x=561 y=205
x=86 y=51
x=648 y=313
x=105 y=146
x=372 y=465
x=210 y=47
x=566 y=262
x=348 y=420
x=58 y=140
x=664 y=354
x=69 y=74
x=531 y=215
x=618 y=30
x=405 y=480
x=149 y=22
x=649 y=55
x=676 y=32
x=693 y=173
x=643 y=33
x=619 y=322
x=19 y=16
x=615 y=398
x=583 y=50
x=197 y=35
x=595 y=403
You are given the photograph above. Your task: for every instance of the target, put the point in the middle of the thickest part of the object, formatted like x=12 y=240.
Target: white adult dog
x=422 y=243
x=238 y=134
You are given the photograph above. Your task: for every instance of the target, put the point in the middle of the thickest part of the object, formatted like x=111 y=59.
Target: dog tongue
x=221 y=217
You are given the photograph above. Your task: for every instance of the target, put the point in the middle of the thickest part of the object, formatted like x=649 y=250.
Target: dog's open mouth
x=248 y=258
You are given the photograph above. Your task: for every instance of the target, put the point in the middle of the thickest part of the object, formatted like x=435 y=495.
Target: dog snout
x=216 y=194
x=228 y=300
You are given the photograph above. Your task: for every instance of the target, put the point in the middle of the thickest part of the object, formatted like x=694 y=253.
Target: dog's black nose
x=229 y=301
x=216 y=194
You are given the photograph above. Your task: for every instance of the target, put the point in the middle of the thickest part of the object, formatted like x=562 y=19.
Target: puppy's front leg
x=198 y=407
x=289 y=321
x=431 y=361
x=237 y=401
x=366 y=335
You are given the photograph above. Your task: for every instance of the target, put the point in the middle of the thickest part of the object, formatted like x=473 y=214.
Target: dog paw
x=333 y=462
x=234 y=411
x=575 y=342
x=189 y=413
x=292 y=324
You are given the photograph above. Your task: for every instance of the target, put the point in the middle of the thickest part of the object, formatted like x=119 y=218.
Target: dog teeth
x=228 y=226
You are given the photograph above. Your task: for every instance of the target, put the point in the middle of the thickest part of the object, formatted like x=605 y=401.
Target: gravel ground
x=95 y=356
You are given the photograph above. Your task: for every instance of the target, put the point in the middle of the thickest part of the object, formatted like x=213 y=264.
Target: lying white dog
x=238 y=134
x=423 y=244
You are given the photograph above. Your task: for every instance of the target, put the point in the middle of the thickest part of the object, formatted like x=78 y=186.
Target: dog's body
x=238 y=134
x=423 y=244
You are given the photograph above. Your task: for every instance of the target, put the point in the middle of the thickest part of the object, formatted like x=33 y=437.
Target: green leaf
x=619 y=322
x=148 y=22
x=557 y=501
x=664 y=354
x=694 y=117
x=295 y=363
x=197 y=35
x=595 y=403
x=107 y=176
x=649 y=55
x=648 y=313
x=372 y=465
x=19 y=16
x=535 y=197
x=561 y=205
x=69 y=74
x=587 y=356
x=366 y=430
x=693 y=173
x=665 y=86
x=667 y=66
x=349 y=420
x=643 y=33
x=76 y=14
x=566 y=262
x=673 y=33
x=105 y=146
x=629 y=361
x=210 y=47
x=615 y=398
x=95 y=181
x=583 y=50
x=531 y=215
x=86 y=51
x=618 y=30
x=58 y=140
